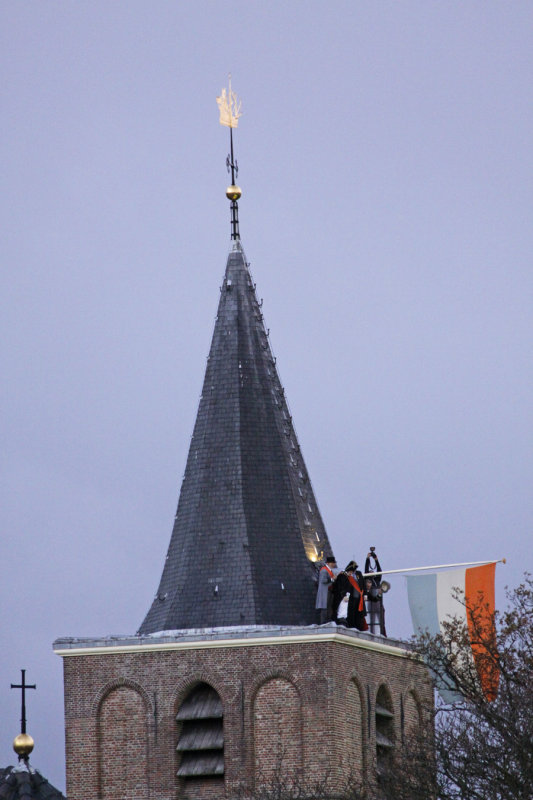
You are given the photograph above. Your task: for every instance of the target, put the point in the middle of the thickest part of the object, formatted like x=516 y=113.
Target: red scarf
x=331 y=573
x=358 y=588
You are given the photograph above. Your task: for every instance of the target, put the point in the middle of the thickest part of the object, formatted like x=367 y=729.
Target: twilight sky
x=387 y=172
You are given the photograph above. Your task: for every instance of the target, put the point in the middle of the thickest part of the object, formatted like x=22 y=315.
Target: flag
x=433 y=601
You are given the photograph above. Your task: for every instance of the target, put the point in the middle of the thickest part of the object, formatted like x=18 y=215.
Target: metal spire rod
x=436 y=566
x=233 y=164
x=234 y=190
x=230 y=111
x=23 y=686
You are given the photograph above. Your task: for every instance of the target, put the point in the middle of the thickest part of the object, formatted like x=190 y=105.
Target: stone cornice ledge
x=213 y=638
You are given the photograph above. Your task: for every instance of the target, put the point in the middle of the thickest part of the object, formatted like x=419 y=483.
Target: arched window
x=122 y=745
x=384 y=730
x=353 y=750
x=201 y=734
x=278 y=732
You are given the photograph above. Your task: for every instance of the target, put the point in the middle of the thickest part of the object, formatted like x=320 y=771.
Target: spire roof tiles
x=247 y=527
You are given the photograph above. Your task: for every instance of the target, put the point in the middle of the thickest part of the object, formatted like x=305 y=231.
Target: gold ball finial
x=233 y=192
x=23 y=744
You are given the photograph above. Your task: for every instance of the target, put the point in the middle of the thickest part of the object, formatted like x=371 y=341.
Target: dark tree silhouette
x=484 y=742
x=478 y=748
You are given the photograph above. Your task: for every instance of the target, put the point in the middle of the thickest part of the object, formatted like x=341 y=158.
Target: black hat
x=351 y=567
x=331 y=560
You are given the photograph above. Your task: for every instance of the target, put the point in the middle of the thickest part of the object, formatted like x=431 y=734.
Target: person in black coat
x=347 y=582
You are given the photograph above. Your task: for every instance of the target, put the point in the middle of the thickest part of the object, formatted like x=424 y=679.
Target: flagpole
x=435 y=566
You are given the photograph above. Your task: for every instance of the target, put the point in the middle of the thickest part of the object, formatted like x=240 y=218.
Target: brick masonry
x=302 y=710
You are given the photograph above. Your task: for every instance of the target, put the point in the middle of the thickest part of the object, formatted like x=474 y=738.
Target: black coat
x=339 y=588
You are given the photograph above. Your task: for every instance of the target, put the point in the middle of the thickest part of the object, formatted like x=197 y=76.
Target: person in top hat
x=324 y=599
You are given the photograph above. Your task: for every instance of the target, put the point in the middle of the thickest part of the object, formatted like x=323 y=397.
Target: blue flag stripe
x=422 y=593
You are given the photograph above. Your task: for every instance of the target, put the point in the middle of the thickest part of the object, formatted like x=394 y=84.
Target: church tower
x=228 y=685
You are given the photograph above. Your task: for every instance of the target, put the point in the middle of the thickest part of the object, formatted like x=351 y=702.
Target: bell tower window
x=201 y=734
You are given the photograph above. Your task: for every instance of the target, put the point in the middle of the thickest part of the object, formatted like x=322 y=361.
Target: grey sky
x=386 y=165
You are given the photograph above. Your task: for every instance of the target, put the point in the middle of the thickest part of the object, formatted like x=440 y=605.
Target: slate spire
x=247 y=529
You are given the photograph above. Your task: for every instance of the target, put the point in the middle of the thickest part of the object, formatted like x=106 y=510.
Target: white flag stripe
x=447 y=604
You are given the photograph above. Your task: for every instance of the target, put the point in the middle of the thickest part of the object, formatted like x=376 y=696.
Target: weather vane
x=230 y=111
x=230 y=107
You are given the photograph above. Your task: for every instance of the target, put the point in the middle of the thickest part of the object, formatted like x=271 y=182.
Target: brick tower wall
x=299 y=710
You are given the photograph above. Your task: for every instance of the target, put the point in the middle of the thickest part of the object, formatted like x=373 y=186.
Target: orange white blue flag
x=434 y=600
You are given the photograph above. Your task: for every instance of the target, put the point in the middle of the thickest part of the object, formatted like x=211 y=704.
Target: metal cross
x=23 y=686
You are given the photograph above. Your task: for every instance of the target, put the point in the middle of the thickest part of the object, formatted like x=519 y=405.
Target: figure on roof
x=374 y=593
x=350 y=582
x=324 y=598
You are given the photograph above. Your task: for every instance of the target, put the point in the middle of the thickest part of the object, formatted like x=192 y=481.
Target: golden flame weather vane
x=230 y=111
x=229 y=107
